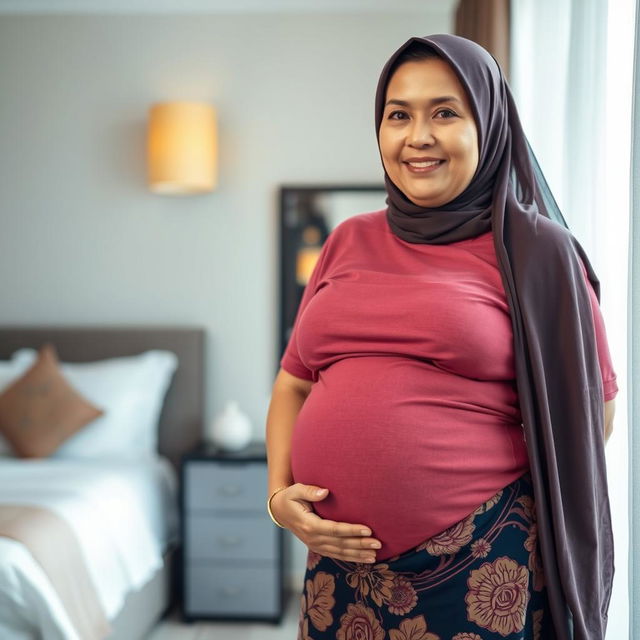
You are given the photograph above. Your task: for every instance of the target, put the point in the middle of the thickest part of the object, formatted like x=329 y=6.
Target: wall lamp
x=182 y=148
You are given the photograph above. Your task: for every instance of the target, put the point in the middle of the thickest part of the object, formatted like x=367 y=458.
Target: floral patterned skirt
x=481 y=579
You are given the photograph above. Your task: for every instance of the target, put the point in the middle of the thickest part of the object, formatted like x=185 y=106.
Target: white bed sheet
x=124 y=514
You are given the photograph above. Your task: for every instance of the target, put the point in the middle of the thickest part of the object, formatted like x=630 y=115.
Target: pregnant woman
x=437 y=426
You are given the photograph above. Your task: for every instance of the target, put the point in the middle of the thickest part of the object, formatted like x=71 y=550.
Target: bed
x=29 y=606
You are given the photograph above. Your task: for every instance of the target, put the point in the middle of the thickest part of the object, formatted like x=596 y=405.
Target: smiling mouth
x=426 y=163
x=426 y=166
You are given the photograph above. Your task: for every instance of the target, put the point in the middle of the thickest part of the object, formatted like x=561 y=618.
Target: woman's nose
x=420 y=134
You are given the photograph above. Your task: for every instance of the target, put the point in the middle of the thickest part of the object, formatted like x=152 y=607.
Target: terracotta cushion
x=40 y=410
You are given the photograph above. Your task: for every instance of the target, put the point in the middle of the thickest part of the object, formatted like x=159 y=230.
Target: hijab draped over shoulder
x=561 y=398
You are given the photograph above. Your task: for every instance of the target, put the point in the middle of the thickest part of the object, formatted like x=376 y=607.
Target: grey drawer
x=224 y=486
x=212 y=590
x=246 y=538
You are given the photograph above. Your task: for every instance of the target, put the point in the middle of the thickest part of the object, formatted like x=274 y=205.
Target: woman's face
x=428 y=136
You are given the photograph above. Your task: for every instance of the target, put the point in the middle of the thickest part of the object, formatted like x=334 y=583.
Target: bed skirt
x=481 y=579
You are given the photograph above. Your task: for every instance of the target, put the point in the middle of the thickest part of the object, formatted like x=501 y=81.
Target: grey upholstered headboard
x=183 y=412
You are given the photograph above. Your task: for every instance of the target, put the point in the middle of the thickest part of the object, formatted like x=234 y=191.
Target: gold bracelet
x=278 y=490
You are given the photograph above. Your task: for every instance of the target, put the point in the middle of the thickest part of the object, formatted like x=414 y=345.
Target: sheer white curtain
x=571 y=75
x=634 y=341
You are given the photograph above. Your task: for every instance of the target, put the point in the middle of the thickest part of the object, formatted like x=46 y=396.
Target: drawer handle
x=230 y=489
x=231 y=591
x=229 y=541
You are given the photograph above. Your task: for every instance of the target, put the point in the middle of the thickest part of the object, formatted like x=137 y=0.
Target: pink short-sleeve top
x=413 y=420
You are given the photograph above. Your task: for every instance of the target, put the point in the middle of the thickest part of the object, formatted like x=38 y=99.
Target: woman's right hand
x=340 y=540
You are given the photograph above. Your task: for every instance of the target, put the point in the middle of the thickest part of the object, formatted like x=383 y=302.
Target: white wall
x=82 y=241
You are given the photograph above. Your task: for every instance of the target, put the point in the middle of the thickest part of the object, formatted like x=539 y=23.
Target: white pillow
x=130 y=390
x=7 y=375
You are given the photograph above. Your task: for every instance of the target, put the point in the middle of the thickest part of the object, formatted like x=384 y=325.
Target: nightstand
x=232 y=556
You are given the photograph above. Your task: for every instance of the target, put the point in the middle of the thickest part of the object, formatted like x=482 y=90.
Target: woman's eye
x=447 y=111
x=396 y=113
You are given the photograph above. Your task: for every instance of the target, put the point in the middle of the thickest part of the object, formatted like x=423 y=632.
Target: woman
x=446 y=377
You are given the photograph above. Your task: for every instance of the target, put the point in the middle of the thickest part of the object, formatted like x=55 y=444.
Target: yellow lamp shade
x=182 y=148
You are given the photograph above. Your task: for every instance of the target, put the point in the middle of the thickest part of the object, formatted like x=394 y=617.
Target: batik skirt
x=481 y=579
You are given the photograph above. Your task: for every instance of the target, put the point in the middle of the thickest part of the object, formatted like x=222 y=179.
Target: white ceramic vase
x=231 y=428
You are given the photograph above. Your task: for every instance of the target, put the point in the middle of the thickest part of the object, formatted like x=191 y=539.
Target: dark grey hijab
x=558 y=376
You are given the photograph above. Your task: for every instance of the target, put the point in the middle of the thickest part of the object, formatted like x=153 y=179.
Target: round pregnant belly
x=394 y=455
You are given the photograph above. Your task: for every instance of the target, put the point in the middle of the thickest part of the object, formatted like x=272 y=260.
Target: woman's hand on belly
x=340 y=540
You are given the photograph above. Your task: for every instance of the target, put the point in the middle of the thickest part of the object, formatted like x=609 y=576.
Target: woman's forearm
x=284 y=407
x=609 y=412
